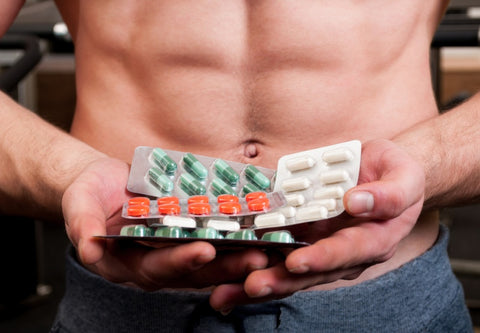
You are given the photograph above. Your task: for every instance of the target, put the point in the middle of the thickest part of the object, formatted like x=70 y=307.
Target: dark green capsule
x=220 y=187
x=136 y=230
x=164 y=161
x=194 y=166
x=160 y=179
x=171 y=232
x=245 y=234
x=207 y=233
x=278 y=236
x=249 y=188
x=257 y=177
x=226 y=172
x=191 y=186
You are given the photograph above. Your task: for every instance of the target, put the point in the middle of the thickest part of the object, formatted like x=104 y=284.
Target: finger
x=369 y=242
x=400 y=185
x=84 y=217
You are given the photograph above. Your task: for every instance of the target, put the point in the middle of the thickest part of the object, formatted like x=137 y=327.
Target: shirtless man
x=251 y=81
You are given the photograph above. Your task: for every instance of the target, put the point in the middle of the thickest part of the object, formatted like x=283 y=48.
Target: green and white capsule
x=282 y=236
x=164 y=161
x=244 y=234
x=249 y=188
x=191 y=186
x=138 y=230
x=172 y=232
x=160 y=179
x=226 y=172
x=193 y=165
x=257 y=177
x=207 y=233
x=220 y=187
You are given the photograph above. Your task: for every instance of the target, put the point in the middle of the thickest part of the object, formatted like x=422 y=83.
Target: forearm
x=449 y=148
x=37 y=162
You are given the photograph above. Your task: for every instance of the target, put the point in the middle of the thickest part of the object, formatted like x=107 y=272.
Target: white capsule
x=178 y=221
x=223 y=225
x=288 y=211
x=335 y=192
x=270 y=220
x=295 y=199
x=334 y=176
x=299 y=163
x=296 y=184
x=330 y=204
x=337 y=155
x=311 y=213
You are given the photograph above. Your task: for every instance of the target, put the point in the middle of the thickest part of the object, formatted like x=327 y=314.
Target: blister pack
x=168 y=235
x=314 y=183
x=193 y=197
x=158 y=172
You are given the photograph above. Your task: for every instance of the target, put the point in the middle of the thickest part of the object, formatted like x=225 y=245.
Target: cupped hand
x=92 y=206
x=382 y=210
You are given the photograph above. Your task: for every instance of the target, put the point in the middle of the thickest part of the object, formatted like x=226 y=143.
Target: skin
x=248 y=81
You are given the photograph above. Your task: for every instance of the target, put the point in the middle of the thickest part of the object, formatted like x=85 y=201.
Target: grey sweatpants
x=421 y=296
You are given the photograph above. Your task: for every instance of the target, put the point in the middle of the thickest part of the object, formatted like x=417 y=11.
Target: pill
x=227 y=198
x=167 y=200
x=334 y=176
x=288 y=211
x=255 y=195
x=172 y=232
x=259 y=205
x=160 y=179
x=249 y=188
x=138 y=230
x=169 y=209
x=257 y=177
x=226 y=172
x=245 y=234
x=337 y=155
x=190 y=185
x=164 y=161
x=270 y=220
x=295 y=199
x=220 y=187
x=139 y=201
x=198 y=199
x=195 y=166
x=179 y=221
x=335 y=192
x=278 y=236
x=330 y=204
x=223 y=225
x=296 y=184
x=230 y=208
x=299 y=163
x=138 y=210
x=199 y=208
x=311 y=213
x=208 y=233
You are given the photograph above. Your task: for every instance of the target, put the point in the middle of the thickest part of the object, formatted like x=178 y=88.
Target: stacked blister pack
x=190 y=197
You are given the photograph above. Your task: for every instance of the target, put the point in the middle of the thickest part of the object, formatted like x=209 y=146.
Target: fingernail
x=360 y=202
x=265 y=291
x=201 y=261
x=299 y=269
x=226 y=310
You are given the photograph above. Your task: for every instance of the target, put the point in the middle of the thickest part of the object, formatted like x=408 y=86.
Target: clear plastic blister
x=188 y=196
x=314 y=183
x=159 y=172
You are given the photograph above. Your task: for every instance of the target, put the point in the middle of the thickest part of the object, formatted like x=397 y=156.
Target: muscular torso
x=252 y=80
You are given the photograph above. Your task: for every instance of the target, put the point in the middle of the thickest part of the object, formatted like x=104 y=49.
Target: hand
x=383 y=209
x=92 y=206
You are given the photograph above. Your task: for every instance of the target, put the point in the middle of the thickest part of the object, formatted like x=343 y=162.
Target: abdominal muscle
x=251 y=86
